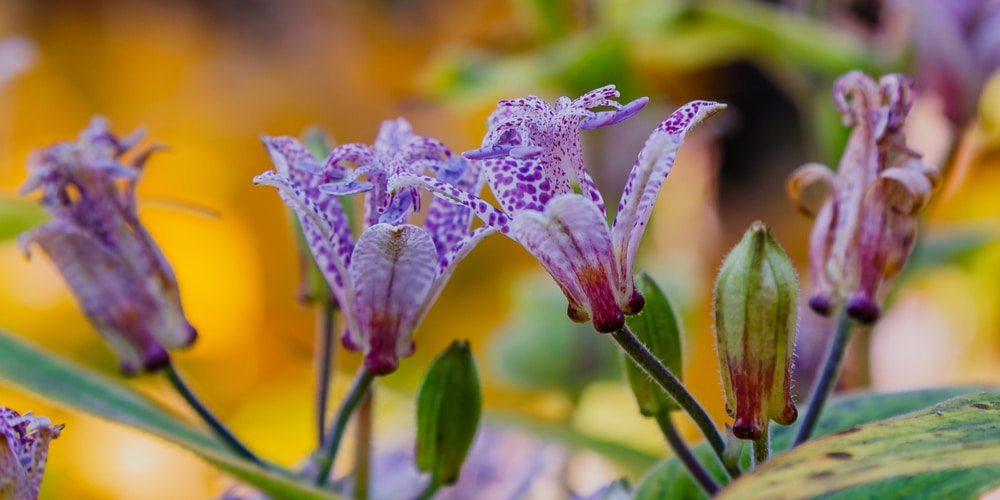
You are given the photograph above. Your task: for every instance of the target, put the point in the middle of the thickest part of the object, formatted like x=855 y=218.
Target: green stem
x=827 y=378
x=762 y=448
x=673 y=387
x=683 y=453
x=430 y=490
x=325 y=351
x=210 y=419
x=331 y=443
x=363 y=451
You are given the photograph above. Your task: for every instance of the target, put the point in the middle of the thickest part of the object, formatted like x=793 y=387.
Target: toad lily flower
x=118 y=274
x=865 y=230
x=24 y=448
x=534 y=165
x=386 y=281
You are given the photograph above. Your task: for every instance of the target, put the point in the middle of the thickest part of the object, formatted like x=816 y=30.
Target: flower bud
x=656 y=327
x=448 y=407
x=756 y=299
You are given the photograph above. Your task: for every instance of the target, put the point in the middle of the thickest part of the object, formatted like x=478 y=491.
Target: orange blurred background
x=206 y=78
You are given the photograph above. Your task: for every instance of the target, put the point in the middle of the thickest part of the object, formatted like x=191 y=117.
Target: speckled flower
x=534 y=165
x=386 y=281
x=864 y=232
x=24 y=447
x=118 y=274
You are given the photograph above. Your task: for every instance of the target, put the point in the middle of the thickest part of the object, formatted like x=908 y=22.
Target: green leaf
x=76 y=387
x=18 y=216
x=658 y=329
x=960 y=433
x=845 y=412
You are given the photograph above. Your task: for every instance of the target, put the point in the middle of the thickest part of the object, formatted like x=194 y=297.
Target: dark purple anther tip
x=863 y=309
x=820 y=304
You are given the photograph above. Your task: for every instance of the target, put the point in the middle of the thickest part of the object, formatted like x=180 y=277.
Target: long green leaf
x=960 y=433
x=76 y=387
x=669 y=478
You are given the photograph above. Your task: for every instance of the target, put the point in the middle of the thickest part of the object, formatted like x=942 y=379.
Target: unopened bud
x=448 y=408
x=657 y=328
x=756 y=300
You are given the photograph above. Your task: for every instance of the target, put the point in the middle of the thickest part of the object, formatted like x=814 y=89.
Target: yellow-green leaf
x=960 y=433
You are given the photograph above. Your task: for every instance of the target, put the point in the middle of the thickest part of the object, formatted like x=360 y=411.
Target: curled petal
x=855 y=94
x=608 y=118
x=804 y=177
x=570 y=238
x=394 y=268
x=896 y=91
x=908 y=187
x=24 y=443
x=648 y=173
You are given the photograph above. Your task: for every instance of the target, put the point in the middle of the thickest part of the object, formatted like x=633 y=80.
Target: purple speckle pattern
x=386 y=283
x=648 y=174
x=24 y=446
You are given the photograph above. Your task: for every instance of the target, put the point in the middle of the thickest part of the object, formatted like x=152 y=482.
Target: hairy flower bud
x=448 y=407
x=756 y=298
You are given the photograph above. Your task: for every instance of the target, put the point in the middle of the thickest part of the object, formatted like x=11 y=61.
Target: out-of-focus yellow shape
x=600 y=414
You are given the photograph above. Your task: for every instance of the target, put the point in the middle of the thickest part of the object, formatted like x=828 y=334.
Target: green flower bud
x=656 y=327
x=756 y=302
x=448 y=407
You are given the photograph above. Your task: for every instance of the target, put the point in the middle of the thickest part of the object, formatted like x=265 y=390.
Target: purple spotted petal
x=648 y=173
x=572 y=242
x=393 y=135
x=486 y=212
x=394 y=269
x=518 y=184
x=346 y=188
x=24 y=444
x=327 y=233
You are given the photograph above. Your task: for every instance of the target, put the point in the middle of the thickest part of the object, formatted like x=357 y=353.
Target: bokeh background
x=207 y=77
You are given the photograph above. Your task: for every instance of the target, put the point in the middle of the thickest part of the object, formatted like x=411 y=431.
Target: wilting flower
x=864 y=232
x=118 y=274
x=534 y=165
x=756 y=304
x=957 y=48
x=24 y=448
x=386 y=281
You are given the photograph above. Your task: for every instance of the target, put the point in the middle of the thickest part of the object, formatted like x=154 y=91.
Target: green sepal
x=658 y=329
x=449 y=405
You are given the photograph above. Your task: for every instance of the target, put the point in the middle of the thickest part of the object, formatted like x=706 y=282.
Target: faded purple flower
x=118 y=274
x=865 y=230
x=386 y=281
x=957 y=48
x=24 y=447
x=534 y=165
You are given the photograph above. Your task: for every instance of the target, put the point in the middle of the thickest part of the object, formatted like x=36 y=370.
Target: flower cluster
x=386 y=280
x=118 y=274
x=549 y=204
x=865 y=230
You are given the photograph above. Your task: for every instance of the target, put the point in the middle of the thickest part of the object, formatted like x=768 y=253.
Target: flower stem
x=331 y=442
x=683 y=453
x=213 y=422
x=363 y=451
x=762 y=448
x=430 y=490
x=827 y=378
x=325 y=352
x=673 y=387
